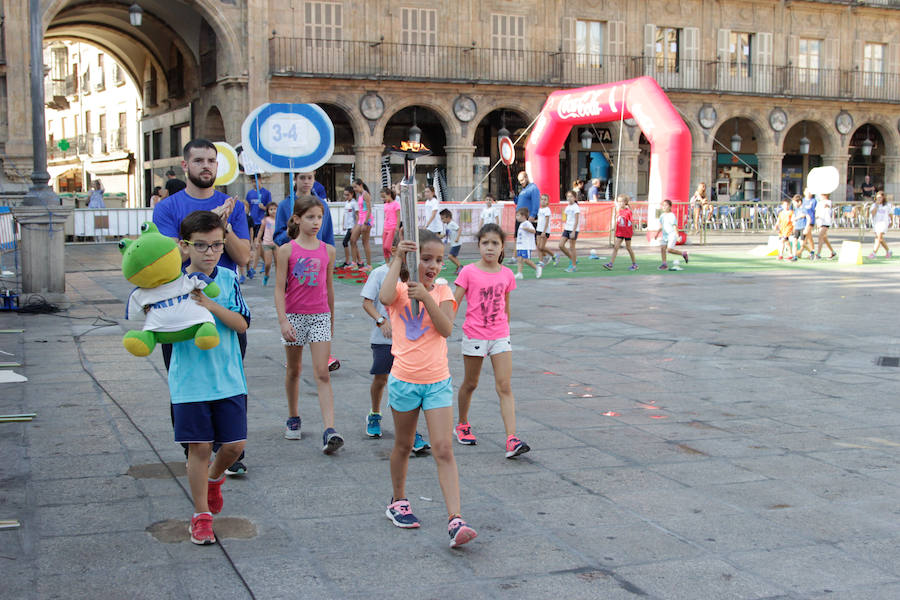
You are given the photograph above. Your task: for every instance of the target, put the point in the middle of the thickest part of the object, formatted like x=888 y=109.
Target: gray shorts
x=309 y=328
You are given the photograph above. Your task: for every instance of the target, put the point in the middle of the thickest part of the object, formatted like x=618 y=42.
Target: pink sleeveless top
x=306 y=289
x=363 y=214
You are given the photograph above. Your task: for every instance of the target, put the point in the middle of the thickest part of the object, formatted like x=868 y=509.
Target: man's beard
x=200 y=183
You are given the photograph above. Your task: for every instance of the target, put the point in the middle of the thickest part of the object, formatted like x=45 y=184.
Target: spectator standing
x=529 y=197
x=304 y=183
x=95 y=200
x=594 y=191
x=173 y=184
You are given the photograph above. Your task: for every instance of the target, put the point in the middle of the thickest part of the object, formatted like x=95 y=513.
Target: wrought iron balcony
x=341 y=59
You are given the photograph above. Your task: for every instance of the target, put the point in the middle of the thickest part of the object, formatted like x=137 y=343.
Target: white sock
x=203 y=513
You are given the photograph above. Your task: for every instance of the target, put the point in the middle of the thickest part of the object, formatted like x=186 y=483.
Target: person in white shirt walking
x=525 y=245
x=543 y=232
x=490 y=213
x=571 y=228
x=668 y=228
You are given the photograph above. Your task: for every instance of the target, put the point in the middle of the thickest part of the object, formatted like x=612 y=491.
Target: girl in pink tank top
x=363 y=226
x=304 y=302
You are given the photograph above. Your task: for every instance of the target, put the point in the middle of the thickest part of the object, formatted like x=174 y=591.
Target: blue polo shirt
x=530 y=198
x=286 y=208
x=197 y=375
x=170 y=212
x=258 y=202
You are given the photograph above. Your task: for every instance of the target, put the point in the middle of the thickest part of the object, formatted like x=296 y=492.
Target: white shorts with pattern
x=471 y=347
x=309 y=328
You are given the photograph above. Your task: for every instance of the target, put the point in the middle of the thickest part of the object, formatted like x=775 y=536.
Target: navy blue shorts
x=382 y=359
x=454 y=250
x=218 y=421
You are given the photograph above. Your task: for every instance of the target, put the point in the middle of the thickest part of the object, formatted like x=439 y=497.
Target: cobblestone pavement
x=695 y=436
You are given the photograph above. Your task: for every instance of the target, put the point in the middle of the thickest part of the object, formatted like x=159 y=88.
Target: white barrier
x=112 y=222
x=8 y=232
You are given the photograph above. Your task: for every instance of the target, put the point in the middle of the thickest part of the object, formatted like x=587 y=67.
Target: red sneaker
x=464 y=434
x=333 y=363
x=214 y=496
x=201 y=530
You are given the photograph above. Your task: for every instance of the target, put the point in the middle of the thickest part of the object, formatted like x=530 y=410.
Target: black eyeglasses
x=202 y=247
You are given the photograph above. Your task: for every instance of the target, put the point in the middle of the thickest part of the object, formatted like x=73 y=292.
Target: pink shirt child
x=486 y=317
x=391 y=209
x=268 y=231
x=363 y=218
x=423 y=359
x=306 y=289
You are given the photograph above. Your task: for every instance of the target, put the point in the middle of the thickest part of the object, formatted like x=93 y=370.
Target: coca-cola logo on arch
x=587 y=104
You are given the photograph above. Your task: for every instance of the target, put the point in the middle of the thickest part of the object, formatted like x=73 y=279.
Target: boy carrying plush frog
x=207 y=387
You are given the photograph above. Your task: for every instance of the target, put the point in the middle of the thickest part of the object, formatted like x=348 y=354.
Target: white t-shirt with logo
x=349 y=216
x=525 y=236
x=570 y=212
x=450 y=237
x=490 y=215
x=430 y=207
x=668 y=223
x=543 y=219
x=171 y=305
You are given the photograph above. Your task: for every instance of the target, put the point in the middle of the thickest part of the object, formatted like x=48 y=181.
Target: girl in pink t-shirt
x=266 y=240
x=391 y=210
x=420 y=378
x=304 y=303
x=363 y=226
x=486 y=285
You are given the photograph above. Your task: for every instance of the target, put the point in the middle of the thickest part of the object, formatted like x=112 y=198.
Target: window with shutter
x=418 y=28
x=589 y=43
x=323 y=23
x=873 y=64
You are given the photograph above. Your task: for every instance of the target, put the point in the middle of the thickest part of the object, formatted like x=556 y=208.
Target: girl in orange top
x=420 y=378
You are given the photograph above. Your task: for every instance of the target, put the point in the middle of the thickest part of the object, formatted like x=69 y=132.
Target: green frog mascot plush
x=152 y=262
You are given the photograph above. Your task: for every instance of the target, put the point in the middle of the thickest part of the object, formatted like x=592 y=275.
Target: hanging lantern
x=135 y=15
x=586 y=139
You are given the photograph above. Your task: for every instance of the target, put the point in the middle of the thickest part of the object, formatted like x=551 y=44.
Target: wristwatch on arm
x=379 y=321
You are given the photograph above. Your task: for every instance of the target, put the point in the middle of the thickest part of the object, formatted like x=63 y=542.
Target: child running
x=624 y=232
x=668 y=228
x=525 y=244
x=451 y=237
x=304 y=302
x=207 y=387
x=571 y=228
x=266 y=240
x=382 y=359
x=784 y=225
x=391 y=209
x=881 y=212
x=543 y=232
x=486 y=285
x=348 y=220
x=420 y=378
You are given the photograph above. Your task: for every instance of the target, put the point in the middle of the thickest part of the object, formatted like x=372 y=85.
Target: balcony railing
x=94 y=144
x=303 y=57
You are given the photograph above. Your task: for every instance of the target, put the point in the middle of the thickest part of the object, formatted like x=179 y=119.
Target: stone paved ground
x=695 y=436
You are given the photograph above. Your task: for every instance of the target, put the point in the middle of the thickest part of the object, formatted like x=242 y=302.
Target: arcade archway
x=431 y=169
x=487 y=153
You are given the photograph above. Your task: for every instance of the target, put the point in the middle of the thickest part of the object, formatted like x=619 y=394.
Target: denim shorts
x=220 y=421
x=404 y=396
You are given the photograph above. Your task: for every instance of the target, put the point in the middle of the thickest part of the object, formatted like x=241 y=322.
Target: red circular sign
x=507 y=151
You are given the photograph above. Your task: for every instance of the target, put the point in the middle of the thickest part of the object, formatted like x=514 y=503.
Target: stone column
x=625 y=174
x=703 y=164
x=891 y=176
x=770 y=176
x=460 y=172
x=840 y=162
x=42 y=249
x=368 y=166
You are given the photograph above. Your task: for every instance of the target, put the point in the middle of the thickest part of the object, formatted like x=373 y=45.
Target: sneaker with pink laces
x=464 y=434
x=201 y=530
x=400 y=514
x=515 y=447
x=214 y=495
x=333 y=363
x=460 y=532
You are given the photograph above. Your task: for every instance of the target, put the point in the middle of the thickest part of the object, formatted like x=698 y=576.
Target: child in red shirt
x=624 y=232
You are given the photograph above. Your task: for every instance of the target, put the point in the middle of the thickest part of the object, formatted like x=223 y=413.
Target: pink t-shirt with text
x=486 y=317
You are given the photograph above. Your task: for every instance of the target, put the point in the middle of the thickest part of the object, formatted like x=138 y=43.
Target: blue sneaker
x=242 y=279
x=400 y=514
x=265 y=280
x=571 y=269
x=331 y=441
x=373 y=425
x=250 y=273
x=292 y=428
x=420 y=444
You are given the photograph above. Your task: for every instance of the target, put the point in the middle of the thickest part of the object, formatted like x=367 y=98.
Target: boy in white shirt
x=543 y=232
x=452 y=237
x=525 y=244
x=491 y=212
x=432 y=212
x=668 y=228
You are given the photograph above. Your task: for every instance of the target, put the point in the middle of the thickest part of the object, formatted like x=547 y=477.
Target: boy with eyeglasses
x=208 y=388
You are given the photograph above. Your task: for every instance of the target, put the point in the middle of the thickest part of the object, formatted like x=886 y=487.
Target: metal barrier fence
x=596 y=218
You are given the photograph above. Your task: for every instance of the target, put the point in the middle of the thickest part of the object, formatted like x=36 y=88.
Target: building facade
x=768 y=89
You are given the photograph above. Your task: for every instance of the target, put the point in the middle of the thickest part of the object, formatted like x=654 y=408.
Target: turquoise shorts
x=404 y=396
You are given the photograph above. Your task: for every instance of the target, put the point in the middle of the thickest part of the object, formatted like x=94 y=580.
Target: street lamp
x=867 y=145
x=804 y=141
x=736 y=139
x=586 y=139
x=135 y=14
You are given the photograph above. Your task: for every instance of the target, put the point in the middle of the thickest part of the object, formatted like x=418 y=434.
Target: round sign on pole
x=228 y=163
x=281 y=137
x=507 y=151
x=823 y=180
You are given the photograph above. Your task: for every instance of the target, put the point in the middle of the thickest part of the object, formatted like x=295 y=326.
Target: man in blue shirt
x=529 y=197
x=304 y=183
x=200 y=164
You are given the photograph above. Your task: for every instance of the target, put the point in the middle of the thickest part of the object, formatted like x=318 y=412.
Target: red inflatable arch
x=641 y=99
